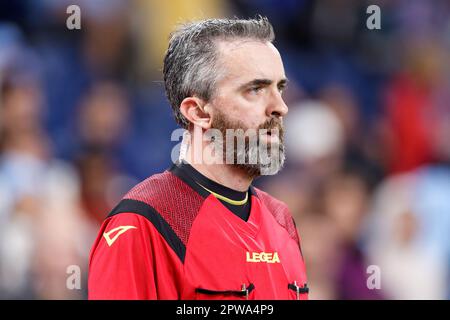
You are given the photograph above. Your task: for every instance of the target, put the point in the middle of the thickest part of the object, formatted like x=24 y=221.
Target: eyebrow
x=263 y=82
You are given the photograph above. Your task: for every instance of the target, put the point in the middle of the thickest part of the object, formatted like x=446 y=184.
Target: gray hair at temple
x=191 y=62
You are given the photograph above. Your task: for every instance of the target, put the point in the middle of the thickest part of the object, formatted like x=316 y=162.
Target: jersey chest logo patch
x=267 y=257
x=120 y=230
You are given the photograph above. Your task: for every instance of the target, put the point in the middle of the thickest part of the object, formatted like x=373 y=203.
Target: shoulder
x=272 y=203
x=167 y=194
x=279 y=210
x=165 y=201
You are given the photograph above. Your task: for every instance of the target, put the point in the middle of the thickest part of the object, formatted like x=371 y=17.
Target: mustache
x=222 y=123
x=273 y=123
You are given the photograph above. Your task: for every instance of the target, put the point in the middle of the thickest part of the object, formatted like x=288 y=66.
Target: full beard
x=255 y=157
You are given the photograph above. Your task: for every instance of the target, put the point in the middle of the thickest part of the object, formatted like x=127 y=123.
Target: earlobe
x=193 y=109
x=205 y=114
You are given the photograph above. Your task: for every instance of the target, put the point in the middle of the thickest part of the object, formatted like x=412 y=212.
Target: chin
x=256 y=170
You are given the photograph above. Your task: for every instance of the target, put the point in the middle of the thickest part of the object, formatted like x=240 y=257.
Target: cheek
x=237 y=108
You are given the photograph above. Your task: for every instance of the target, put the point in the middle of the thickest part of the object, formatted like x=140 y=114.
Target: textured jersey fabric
x=170 y=239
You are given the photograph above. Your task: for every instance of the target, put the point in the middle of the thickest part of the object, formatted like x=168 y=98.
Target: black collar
x=196 y=180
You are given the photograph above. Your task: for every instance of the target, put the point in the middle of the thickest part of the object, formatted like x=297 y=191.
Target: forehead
x=250 y=59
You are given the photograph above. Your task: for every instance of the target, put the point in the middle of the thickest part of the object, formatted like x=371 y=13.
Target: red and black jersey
x=171 y=238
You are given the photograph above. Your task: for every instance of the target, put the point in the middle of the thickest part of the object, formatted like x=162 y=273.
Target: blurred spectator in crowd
x=102 y=125
x=406 y=237
x=345 y=201
x=42 y=229
x=409 y=106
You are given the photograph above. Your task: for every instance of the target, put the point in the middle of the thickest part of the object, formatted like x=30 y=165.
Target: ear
x=193 y=109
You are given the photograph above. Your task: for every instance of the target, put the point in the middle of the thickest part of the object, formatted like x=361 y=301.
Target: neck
x=224 y=174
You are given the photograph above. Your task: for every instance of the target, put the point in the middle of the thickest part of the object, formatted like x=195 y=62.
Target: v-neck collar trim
x=189 y=175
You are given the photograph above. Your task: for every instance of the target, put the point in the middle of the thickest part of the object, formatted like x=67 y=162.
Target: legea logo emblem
x=120 y=230
x=268 y=257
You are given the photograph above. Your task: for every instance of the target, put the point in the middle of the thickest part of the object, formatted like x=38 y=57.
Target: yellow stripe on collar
x=227 y=200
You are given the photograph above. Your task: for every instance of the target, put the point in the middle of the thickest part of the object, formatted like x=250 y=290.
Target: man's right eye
x=255 y=89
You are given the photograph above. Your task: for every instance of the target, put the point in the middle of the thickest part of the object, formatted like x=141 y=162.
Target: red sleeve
x=130 y=260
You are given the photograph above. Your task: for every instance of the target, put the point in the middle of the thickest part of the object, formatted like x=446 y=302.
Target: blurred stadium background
x=83 y=117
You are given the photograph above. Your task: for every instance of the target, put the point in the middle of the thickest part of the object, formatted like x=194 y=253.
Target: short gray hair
x=190 y=64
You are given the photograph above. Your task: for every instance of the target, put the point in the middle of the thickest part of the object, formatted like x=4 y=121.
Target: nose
x=277 y=107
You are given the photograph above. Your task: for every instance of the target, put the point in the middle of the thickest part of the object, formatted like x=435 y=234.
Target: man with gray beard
x=200 y=230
